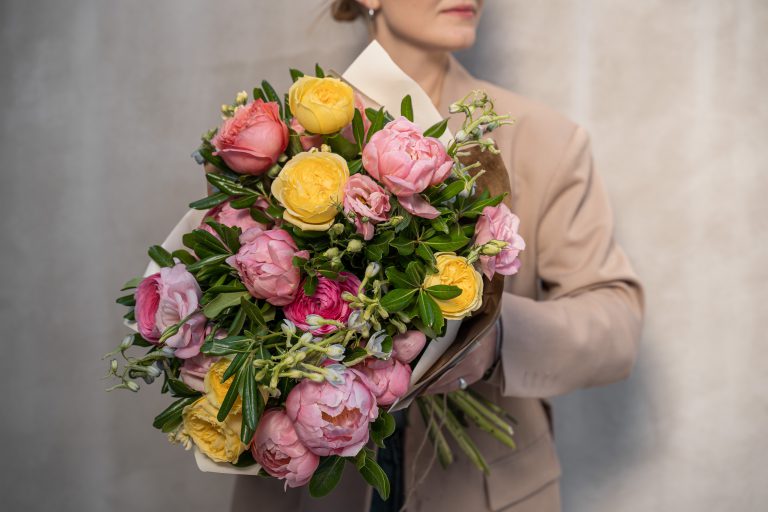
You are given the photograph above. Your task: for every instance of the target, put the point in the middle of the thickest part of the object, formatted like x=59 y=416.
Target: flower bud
x=288 y=328
x=354 y=246
x=127 y=342
x=333 y=252
x=129 y=384
x=314 y=321
x=241 y=98
x=334 y=373
x=372 y=269
x=305 y=338
x=335 y=352
x=153 y=371
x=348 y=296
x=337 y=228
x=113 y=365
x=455 y=108
x=461 y=136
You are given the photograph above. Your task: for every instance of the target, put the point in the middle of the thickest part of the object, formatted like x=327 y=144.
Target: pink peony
x=265 y=264
x=326 y=302
x=278 y=449
x=406 y=346
x=251 y=141
x=162 y=300
x=333 y=419
x=365 y=198
x=233 y=217
x=406 y=162
x=389 y=378
x=499 y=223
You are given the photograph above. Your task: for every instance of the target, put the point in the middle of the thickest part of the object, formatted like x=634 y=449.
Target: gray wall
x=104 y=100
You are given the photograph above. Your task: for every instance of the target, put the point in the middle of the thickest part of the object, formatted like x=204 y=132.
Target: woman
x=571 y=318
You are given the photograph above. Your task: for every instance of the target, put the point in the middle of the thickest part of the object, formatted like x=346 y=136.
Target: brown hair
x=346 y=10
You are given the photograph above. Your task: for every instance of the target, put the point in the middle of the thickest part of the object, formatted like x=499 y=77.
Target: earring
x=371 y=12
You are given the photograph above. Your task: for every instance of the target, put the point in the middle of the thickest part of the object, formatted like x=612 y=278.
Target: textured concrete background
x=104 y=100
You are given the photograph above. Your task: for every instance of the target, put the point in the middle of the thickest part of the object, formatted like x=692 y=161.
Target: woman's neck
x=427 y=68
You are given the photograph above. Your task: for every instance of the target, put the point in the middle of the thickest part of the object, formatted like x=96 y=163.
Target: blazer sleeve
x=585 y=328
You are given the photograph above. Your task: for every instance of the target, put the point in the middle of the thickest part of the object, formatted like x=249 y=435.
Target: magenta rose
x=406 y=346
x=278 y=449
x=164 y=299
x=251 y=141
x=389 y=378
x=265 y=264
x=233 y=217
x=499 y=223
x=333 y=419
x=406 y=162
x=365 y=198
x=326 y=302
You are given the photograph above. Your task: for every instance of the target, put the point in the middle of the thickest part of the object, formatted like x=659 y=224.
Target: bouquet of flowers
x=291 y=307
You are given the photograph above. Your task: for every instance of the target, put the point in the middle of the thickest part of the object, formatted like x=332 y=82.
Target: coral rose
x=251 y=141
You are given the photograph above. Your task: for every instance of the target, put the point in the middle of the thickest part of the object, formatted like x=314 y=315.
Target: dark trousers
x=390 y=458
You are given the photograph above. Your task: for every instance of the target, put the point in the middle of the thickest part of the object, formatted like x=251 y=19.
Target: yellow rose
x=215 y=390
x=456 y=271
x=309 y=187
x=322 y=105
x=220 y=441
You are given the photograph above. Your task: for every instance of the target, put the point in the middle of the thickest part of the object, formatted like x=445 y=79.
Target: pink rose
x=162 y=300
x=251 y=141
x=406 y=162
x=193 y=370
x=265 y=264
x=233 y=217
x=499 y=223
x=406 y=346
x=326 y=302
x=389 y=378
x=307 y=141
x=333 y=419
x=365 y=198
x=278 y=449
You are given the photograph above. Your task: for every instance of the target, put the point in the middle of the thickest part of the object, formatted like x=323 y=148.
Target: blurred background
x=103 y=102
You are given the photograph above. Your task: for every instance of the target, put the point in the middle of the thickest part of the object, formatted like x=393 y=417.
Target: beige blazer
x=571 y=319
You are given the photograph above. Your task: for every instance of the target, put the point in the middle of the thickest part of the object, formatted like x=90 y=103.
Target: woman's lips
x=465 y=11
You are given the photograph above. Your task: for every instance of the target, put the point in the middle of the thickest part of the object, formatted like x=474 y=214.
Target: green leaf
x=161 y=256
x=437 y=129
x=210 y=260
x=397 y=299
x=233 y=392
x=379 y=246
x=401 y=279
x=326 y=476
x=127 y=300
x=224 y=346
x=253 y=402
x=382 y=428
x=439 y=224
x=449 y=192
x=227 y=185
x=132 y=283
x=447 y=243
x=355 y=356
x=237 y=323
x=375 y=476
x=444 y=291
x=172 y=412
x=184 y=256
x=209 y=242
x=355 y=166
x=429 y=312
x=416 y=272
x=246 y=458
x=179 y=388
x=406 y=107
x=243 y=202
x=260 y=217
x=475 y=209
x=342 y=146
x=319 y=73
x=296 y=74
x=377 y=123
x=272 y=95
x=252 y=311
x=358 y=129
x=425 y=253
x=403 y=245
x=209 y=202
x=222 y=302
x=258 y=94
x=310 y=285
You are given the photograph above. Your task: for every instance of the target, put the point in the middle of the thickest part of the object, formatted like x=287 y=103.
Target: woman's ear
x=370 y=4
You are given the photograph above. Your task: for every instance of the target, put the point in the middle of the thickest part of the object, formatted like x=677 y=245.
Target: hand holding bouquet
x=338 y=242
